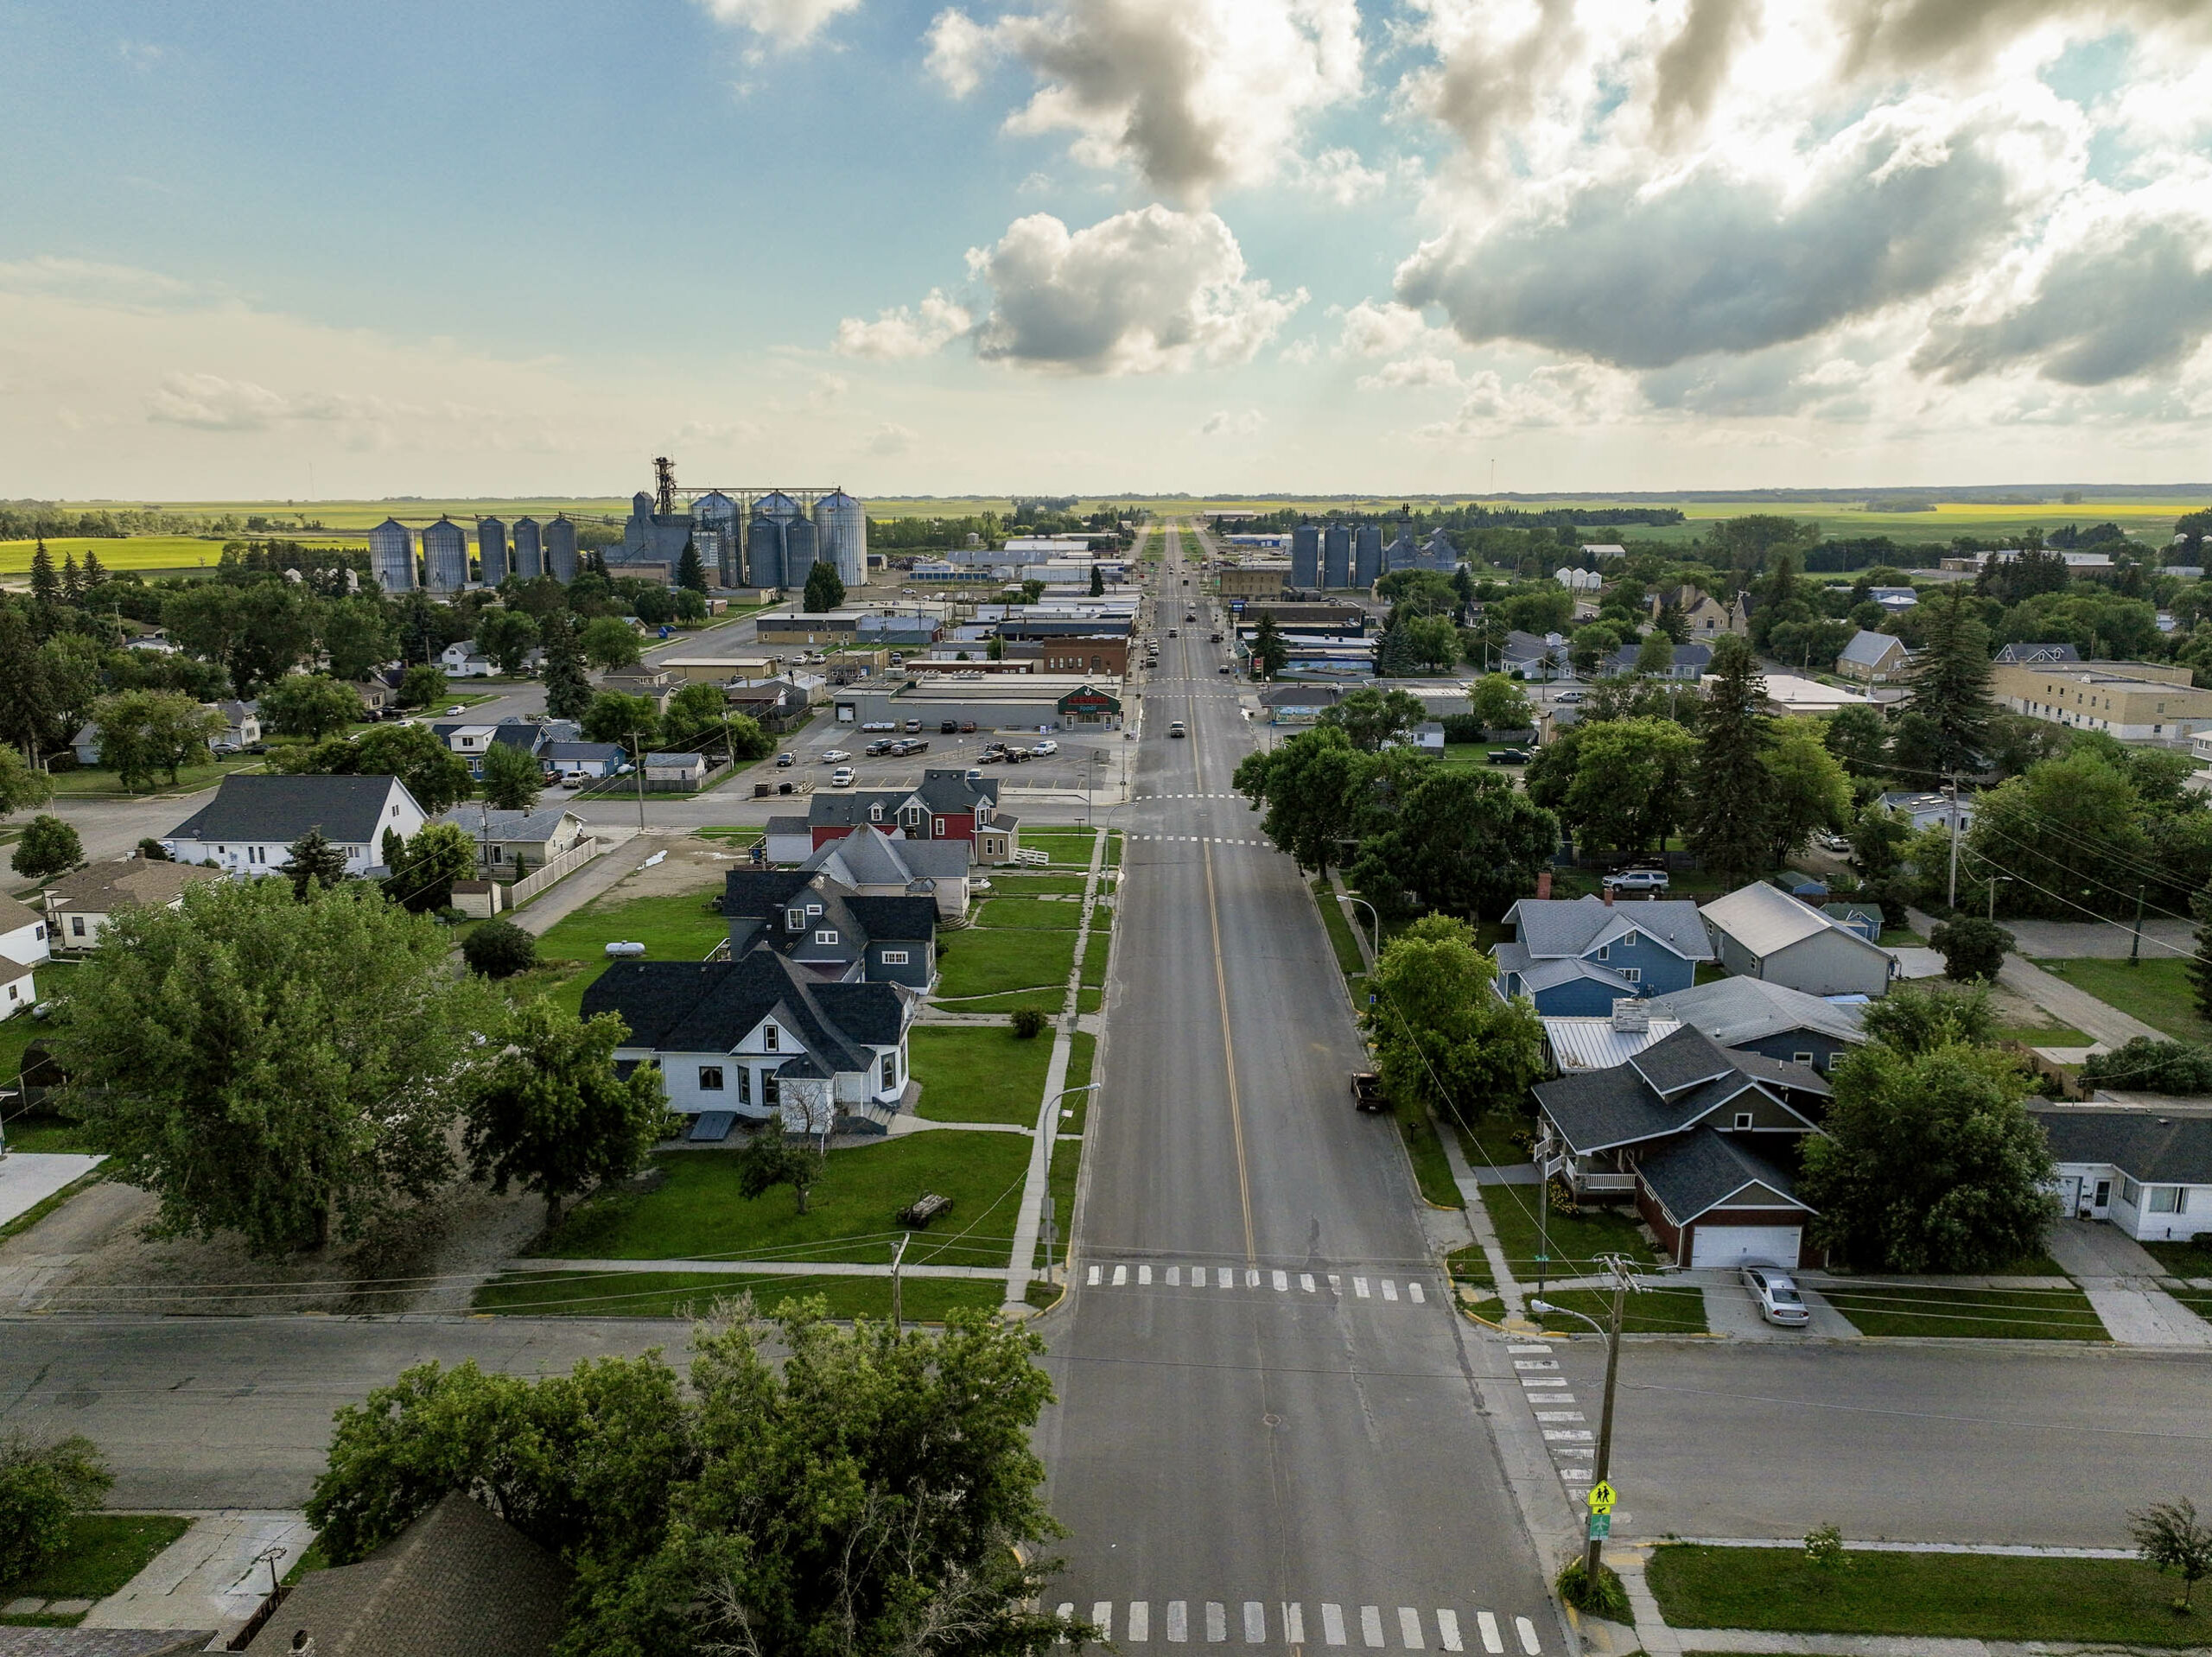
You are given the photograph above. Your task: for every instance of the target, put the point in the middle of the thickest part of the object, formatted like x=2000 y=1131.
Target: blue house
x=1576 y=957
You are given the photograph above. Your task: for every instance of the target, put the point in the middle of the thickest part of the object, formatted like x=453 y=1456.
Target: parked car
x=1509 y=756
x=948 y=727
x=883 y=745
x=967 y=727
x=1835 y=844
x=1776 y=1295
x=1637 y=880
x=913 y=726
x=835 y=756
x=1367 y=1091
x=841 y=777
x=1176 y=729
x=1569 y=697
x=880 y=725
x=783 y=759
x=991 y=757
x=451 y=711
x=1045 y=748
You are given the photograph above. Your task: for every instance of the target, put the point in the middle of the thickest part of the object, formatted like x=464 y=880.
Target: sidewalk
x=2122 y=1283
x=538 y=917
x=214 y=1576
x=747 y=1267
x=27 y=1178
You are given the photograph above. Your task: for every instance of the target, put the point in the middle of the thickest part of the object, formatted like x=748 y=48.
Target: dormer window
x=1629 y=942
x=826 y=935
x=875 y=813
x=771 y=1038
x=795 y=920
x=814 y=909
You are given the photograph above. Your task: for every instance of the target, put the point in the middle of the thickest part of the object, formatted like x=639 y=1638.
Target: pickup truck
x=1367 y=1091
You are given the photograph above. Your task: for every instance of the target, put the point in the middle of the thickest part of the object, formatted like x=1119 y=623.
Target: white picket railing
x=568 y=863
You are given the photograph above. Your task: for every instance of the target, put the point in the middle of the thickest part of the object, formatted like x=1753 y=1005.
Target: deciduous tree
x=1371 y=718
x=771 y=1160
x=1312 y=788
x=48 y=847
x=21 y=785
x=1461 y=840
x=507 y=637
x=512 y=778
x=1808 y=791
x=423 y=686
x=309 y=705
x=1499 y=704
x=610 y=643
x=426 y=865
x=632 y=720
x=1442 y=1041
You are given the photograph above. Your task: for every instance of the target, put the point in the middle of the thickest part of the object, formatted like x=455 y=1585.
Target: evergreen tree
x=1950 y=683
x=1394 y=656
x=568 y=692
x=689 y=572
x=27 y=712
x=2200 y=964
x=824 y=590
x=315 y=862
x=1269 y=654
x=95 y=571
x=1097 y=582
x=46 y=586
x=72 y=585
x=1730 y=792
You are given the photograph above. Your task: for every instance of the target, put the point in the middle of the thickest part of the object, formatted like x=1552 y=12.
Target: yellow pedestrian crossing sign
x=1602 y=1497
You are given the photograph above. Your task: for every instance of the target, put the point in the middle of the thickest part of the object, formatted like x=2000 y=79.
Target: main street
x=1285 y=1454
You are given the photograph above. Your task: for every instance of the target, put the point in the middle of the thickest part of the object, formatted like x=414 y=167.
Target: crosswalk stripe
x=1067 y=1608
x=1527 y=1630
x=1251 y=1277
x=1414 y=1290
x=1174 y=1277
x=1305 y=1281
x=1561 y=1415
x=1531 y=1364
x=1223 y=1280
x=1537 y=1346
x=1389 y=1289
x=1091 y=1280
x=1139 y=1620
x=1336 y=1284
x=1102 y=1615
x=1409 y=1628
x=1487 y=1625
x=1217 y=1622
x=1293 y=1623
x=1144 y=1274
x=1121 y=1275
x=1370 y=1624
x=1447 y=1630
x=1282 y=1281
x=1179 y=1622
x=1359 y=1287
x=1567 y=1435
x=1255 y=1623
x=1333 y=1624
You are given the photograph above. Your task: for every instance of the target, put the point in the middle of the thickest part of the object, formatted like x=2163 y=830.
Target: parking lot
x=1097 y=753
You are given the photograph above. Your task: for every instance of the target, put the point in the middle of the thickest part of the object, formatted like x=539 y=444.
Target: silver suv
x=1637 y=880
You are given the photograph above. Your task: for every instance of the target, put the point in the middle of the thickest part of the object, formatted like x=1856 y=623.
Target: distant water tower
x=392 y=555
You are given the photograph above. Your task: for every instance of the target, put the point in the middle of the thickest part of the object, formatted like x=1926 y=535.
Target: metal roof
x=1735 y=1011
x=1868 y=649
x=1765 y=921
x=1594 y=1044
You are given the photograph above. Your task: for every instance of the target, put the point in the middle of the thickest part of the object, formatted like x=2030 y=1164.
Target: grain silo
x=767 y=560
x=714 y=533
x=560 y=555
x=1335 y=555
x=529 y=549
x=842 y=524
x=491 y=551
x=802 y=549
x=1306 y=555
x=1367 y=555
x=392 y=555
x=445 y=557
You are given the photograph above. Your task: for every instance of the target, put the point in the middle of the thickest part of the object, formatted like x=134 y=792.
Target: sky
x=300 y=251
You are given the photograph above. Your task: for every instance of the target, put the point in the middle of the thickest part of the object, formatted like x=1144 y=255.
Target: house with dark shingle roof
x=2145 y=1168
x=78 y=906
x=1700 y=1136
x=760 y=1037
x=830 y=931
x=1576 y=957
x=249 y=826
x=946 y=804
x=870 y=862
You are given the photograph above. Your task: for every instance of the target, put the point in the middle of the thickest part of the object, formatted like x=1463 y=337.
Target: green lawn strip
x=692 y=1295
x=1431 y=1169
x=96 y=780
x=1083 y=1052
x=312 y=1560
x=2157 y=991
x=1488 y=1141
x=1030 y=915
x=988 y=961
x=673 y=926
x=1901 y=937
x=1577 y=1243
x=104 y=1552
x=1973 y=1314
x=1114 y=850
x=2184 y=1258
x=2042 y=1035
x=1095 y=951
x=48 y=1136
x=1067 y=1163
x=1471 y=1266
x=19 y=1032
x=1676 y=1309
x=698 y=1212
x=1932 y=1595
x=1349 y=960
x=979 y=1073
x=742 y=837
x=1036 y=886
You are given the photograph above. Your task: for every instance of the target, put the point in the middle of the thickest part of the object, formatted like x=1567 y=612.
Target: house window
x=2169 y=1199
x=1603 y=950
x=710 y=1078
x=1629 y=942
x=894 y=957
x=76 y=926
x=814 y=909
x=771 y=1038
x=876 y=814
x=1803 y=1058
x=826 y=935
x=744 y=1086
x=1633 y=975
x=1743 y=1122
x=796 y=920
x=2130 y=1192
x=1834 y=1059
x=890 y=1069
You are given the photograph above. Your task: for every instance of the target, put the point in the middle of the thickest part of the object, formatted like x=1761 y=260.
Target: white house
x=462 y=660
x=502 y=837
x=2146 y=1169
x=241 y=722
x=79 y=906
x=1760 y=931
x=18 y=989
x=1577 y=580
x=23 y=938
x=675 y=770
x=249 y=826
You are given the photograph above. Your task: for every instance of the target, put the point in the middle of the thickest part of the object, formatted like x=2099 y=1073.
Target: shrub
x=499 y=949
x=2144 y=1065
x=41 y=1488
x=1604 y=1597
x=1028 y=1023
x=1972 y=948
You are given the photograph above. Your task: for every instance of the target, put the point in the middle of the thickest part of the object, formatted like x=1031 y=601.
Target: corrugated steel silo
x=763 y=551
x=445 y=557
x=841 y=523
x=1306 y=555
x=1335 y=555
x=392 y=555
x=1367 y=555
x=491 y=551
x=802 y=546
x=561 y=561
x=529 y=555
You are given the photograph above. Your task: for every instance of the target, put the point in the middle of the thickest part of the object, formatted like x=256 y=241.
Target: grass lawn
x=1037 y=885
x=1075 y=1108
x=2157 y=991
x=1030 y=914
x=1471 y=1266
x=98 y=780
x=2042 y=1035
x=1095 y=951
x=979 y=1073
x=1431 y=1170
x=1577 y=1241
x=675 y=926
x=985 y=960
x=1340 y=933
x=692 y=1295
x=1487 y=1140
x=1674 y=1310
x=46 y=1135
x=2184 y=1258
x=1067 y=1163
x=1984 y=1314
x=104 y=1551
x=1113 y=850
x=1957 y=1595
x=698 y=1212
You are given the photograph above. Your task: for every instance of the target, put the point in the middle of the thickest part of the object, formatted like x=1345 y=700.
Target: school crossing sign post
x=1602 y=1497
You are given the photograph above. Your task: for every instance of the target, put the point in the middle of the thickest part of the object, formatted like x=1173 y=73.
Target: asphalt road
x=1996 y=1442
x=1262 y=1445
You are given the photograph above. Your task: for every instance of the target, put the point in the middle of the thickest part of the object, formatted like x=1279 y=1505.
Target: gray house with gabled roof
x=1771 y=1019
x=873 y=864
x=1576 y=957
x=832 y=933
x=1873 y=658
x=1646 y=1129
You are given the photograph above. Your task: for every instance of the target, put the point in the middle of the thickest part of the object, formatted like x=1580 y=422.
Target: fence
x=568 y=863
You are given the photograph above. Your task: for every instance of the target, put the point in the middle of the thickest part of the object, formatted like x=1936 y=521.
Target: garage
x=1725 y=1245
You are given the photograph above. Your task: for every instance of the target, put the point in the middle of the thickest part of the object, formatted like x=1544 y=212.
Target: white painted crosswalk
x=1189 y=1275
x=1198 y=840
x=1559 y=1417
x=1343 y=1623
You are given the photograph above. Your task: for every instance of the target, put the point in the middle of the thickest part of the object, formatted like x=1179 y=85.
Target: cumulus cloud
x=1411 y=373
x=1223 y=423
x=784 y=22
x=1691 y=67
x=1149 y=291
x=1372 y=330
x=901 y=334
x=1338 y=175
x=1195 y=95
x=1889 y=34
x=890 y=439
x=1557 y=395
x=211 y=402
x=1647 y=276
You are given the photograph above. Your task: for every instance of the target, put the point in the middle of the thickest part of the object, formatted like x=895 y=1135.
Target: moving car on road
x=1508 y=756
x=1176 y=729
x=784 y=759
x=1776 y=1295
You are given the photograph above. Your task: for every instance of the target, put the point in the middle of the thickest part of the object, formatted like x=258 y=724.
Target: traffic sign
x=1600 y=1525
x=1602 y=1497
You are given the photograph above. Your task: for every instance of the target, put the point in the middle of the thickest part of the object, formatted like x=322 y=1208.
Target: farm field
x=132 y=552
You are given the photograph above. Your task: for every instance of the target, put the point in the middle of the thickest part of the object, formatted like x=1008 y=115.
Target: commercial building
x=392 y=555
x=996 y=702
x=2135 y=701
x=1096 y=654
x=1253 y=582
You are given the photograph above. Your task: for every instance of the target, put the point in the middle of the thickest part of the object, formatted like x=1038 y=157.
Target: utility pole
x=897 y=1321
x=2135 y=949
x=637 y=774
x=1050 y=1233
x=1606 y=1420
x=1951 y=787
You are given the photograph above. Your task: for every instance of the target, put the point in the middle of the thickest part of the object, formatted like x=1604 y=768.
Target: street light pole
x=898 y=1253
x=1369 y=908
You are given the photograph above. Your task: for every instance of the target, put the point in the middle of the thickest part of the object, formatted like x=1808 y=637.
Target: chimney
x=1631 y=1017
x=1607 y=891
x=1543 y=883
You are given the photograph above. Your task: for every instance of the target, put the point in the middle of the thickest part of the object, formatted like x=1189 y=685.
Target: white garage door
x=1731 y=1244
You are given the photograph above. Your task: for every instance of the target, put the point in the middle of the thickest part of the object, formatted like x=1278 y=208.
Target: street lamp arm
x=1549 y=1309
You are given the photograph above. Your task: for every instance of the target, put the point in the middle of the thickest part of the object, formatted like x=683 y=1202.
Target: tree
x=48 y=847
x=2069 y=831
x=1499 y=704
x=2200 y=963
x=42 y=1487
x=436 y=776
x=1593 y=644
x=309 y=705
x=610 y=643
x=1269 y=653
x=259 y=631
x=771 y=1160
x=1433 y=641
x=1462 y=840
x=511 y=779
x=46 y=586
x=1312 y=789
x=1627 y=783
x=315 y=862
x=1730 y=825
x=144 y=731
x=1443 y=1042
x=1098 y=581
x=358 y=635
x=422 y=874
x=550 y=1115
x=2180 y=1067
x=2169 y=1538
x=1807 y=789
x=499 y=948
x=1950 y=681
x=567 y=693
x=1371 y=718
x=20 y=785
x=422 y=686
x=1928 y=1164
x=1916 y=1018
x=1654 y=656
x=29 y=719
x=507 y=637
x=695 y=708
x=700 y=1514
x=278 y=1069
x=690 y=573
x=613 y=717
x=1972 y=948
x=1858 y=739
x=824 y=590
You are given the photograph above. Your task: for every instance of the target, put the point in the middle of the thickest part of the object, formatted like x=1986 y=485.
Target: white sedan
x=835 y=756
x=1776 y=1296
